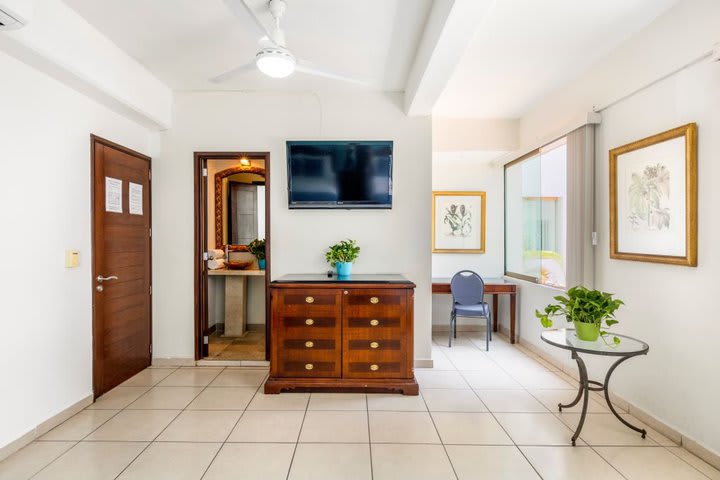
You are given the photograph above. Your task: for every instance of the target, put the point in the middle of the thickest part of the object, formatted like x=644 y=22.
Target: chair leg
x=487 y=334
x=490 y=326
x=455 y=329
x=450 y=336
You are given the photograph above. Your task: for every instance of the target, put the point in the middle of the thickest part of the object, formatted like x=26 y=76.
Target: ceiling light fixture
x=275 y=62
x=244 y=162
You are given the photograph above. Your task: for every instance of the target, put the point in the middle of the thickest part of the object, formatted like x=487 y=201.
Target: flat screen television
x=340 y=174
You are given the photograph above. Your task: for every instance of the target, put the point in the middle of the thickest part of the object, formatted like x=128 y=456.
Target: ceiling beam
x=450 y=27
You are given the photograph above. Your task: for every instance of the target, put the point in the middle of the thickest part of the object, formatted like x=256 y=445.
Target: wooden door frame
x=201 y=231
x=95 y=140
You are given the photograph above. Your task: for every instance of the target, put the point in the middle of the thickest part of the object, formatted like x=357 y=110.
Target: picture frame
x=458 y=222
x=653 y=198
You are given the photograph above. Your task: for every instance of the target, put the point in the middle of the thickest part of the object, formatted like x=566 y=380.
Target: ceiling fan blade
x=306 y=67
x=241 y=10
x=248 y=67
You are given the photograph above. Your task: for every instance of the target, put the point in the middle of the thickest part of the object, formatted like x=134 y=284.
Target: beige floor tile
x=201 y=426
x=441 y=362
x=551 y=398
x=511 y=401
x=402 y=427
x=223 y=398
x=335 y=427
x=410 y=462
x=240 y=378
x=134 y=426
x=542 y=380
x=148 y=377
x=470 y=363
x=251 y=461
x=440 y=379
x=449 y=400
x=395 y=402
x=118 y=398
x=536 y=429
x=282 y=401
x=166 y=398
x=80 y=425
x=469 y=429
x=314 y=461
x=472 y=462
x=92 y=460
x=491 y=378
x=604 y=429
x=570 y=463
x=638 y=463
x=707 y=469
x=172 y=461
x=337 y=401
x=191 y=377
x=29 y=460
x=268 y=426
x=651 y=432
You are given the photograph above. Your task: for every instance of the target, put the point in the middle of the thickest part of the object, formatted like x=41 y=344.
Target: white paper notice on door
x=113 y=195
x=135 y=197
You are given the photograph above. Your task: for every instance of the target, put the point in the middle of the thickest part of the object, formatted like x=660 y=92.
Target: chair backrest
x=467 y=288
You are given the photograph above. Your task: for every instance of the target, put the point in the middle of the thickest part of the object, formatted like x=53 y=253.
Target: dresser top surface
x=321 y=278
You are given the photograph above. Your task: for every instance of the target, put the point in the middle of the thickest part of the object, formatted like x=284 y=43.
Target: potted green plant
x=342 y=255
x=587 y=309
x=257 y=248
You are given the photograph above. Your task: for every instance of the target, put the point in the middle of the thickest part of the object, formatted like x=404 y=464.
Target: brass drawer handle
x=309 y=299
x=374 y=300
x=374 y=344
x=308 y=366
x=345 y=292
x=309 y=321
x=309 y=344
x=374 y=322
x=374 y=367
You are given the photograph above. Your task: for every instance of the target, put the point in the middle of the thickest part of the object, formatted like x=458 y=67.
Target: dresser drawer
x=314 y=299
x=316 y=363
x=380 y=302
x=302 y=326
x=393 y=367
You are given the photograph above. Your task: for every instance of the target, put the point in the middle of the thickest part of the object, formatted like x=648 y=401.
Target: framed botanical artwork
x=458 y=222
x=653 y=198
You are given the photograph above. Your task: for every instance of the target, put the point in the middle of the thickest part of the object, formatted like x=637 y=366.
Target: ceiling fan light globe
x=275 y=63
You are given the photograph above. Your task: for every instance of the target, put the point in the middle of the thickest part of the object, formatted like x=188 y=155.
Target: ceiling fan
x=274 y=58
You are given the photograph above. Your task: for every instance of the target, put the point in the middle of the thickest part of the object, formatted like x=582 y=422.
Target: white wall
x=46 y=322
x=470 y=171
x=396 y=240
x=670 y=307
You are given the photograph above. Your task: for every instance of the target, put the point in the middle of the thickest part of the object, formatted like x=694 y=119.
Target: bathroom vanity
x=335 y=334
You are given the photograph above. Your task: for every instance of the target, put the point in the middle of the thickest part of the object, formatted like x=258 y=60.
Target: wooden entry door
x=121 y=274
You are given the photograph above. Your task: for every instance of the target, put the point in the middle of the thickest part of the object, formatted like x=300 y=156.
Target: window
x=535 y=215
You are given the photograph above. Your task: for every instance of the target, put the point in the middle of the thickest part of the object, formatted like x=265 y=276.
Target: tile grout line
x=297 y=442
x=437 y=432
x=367 y=411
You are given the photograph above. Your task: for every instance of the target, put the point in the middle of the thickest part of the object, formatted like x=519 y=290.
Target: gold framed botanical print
x=458 y=222
x=653 y=198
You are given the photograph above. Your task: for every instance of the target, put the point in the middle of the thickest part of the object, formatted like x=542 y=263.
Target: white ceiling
x=525 y=49
x=185 y=42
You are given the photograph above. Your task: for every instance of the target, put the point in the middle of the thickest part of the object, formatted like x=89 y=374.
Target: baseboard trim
x=44 y=427
x=706 y=454
x=423 y=363
x=232 y=363
x=173 y=362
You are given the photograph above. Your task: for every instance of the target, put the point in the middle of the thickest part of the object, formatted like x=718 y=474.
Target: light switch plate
x=72 y=258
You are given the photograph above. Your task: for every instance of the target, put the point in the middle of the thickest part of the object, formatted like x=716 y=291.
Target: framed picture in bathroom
x=458 y=222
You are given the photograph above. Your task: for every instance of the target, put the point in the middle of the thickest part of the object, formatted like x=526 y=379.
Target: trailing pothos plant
x=584 y=306
x=342 y=252
x=257 y=248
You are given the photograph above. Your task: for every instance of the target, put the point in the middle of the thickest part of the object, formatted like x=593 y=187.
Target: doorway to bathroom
x=232 y=250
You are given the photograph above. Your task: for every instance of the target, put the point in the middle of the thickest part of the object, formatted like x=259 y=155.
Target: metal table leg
x=606 y=388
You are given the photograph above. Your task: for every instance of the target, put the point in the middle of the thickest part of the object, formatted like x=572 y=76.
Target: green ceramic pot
x=588 y=332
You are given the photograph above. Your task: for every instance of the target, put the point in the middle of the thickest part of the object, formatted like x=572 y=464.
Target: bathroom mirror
x=239 y=205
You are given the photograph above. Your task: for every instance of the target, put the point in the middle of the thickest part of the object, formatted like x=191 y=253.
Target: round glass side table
x=567 y=340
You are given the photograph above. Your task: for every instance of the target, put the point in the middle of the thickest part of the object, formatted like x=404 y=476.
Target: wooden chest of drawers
x=342 y=336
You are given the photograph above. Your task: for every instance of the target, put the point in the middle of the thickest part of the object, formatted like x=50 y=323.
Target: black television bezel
x=320 y=205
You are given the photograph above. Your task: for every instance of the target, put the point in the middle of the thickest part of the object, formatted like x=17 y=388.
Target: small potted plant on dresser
x=342 y=255
x=257 y=248
x=586 y=309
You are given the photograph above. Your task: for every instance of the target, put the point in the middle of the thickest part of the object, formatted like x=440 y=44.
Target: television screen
x=340 y=174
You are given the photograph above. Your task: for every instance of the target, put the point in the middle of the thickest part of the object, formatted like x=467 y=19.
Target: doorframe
x=95 y=140
x=201 y=230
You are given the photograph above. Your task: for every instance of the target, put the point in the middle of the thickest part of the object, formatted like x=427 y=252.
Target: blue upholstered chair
x=467 y=290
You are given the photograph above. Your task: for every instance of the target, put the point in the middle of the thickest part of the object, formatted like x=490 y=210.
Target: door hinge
x=150 y=289
x=149 y=174
x=206 y=340
x=205 y=256
x=594 y=239
x=151 y=349
x=150 y=232
x=204 y=172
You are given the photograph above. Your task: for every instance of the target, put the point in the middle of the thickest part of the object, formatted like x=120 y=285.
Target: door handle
x=101 y=279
